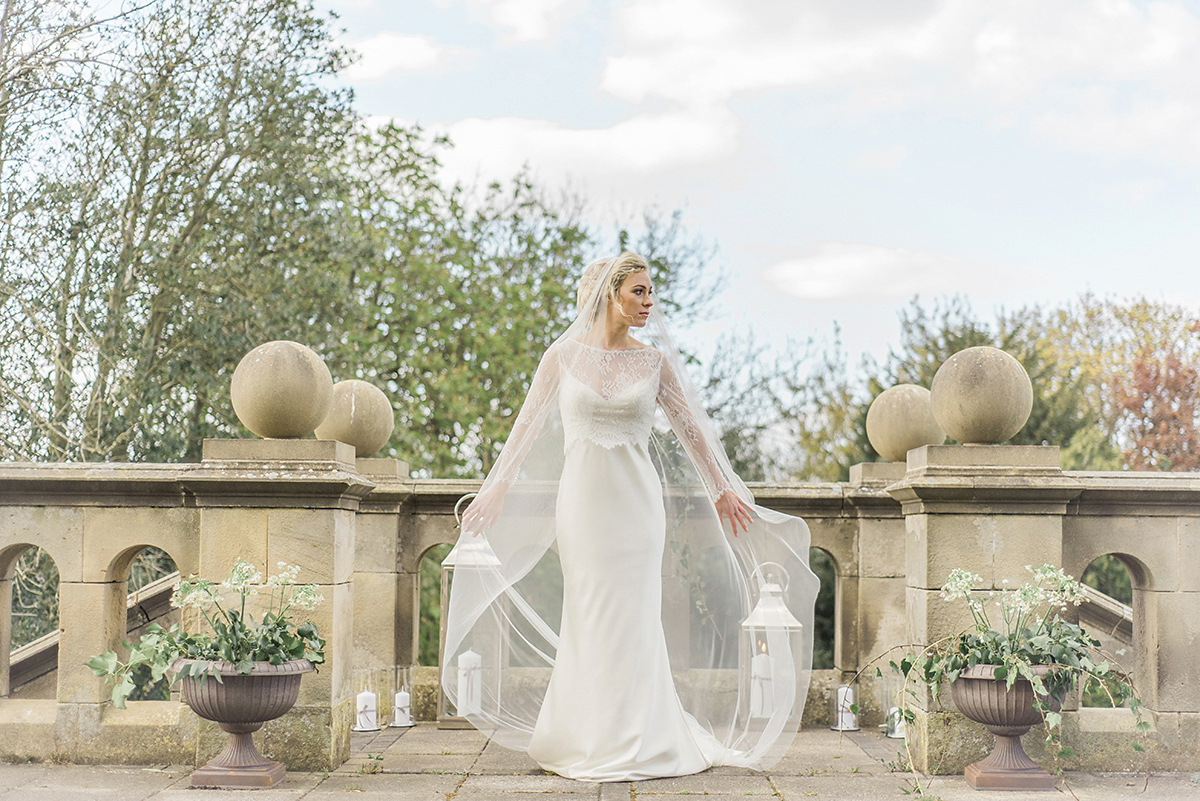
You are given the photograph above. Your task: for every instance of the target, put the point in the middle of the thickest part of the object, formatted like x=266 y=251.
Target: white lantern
x=469 y=553
x=366 y=717
x=770 y=629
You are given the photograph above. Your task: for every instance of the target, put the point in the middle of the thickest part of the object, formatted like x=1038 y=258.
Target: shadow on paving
x=428 y=764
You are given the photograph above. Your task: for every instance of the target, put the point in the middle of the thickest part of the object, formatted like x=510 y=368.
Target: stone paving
x=428 y=764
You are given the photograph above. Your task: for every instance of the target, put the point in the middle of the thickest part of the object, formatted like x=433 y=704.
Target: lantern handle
x=458 y=508
x=762 y=579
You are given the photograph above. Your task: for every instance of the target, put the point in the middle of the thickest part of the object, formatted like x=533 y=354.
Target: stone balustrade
x=359 y=528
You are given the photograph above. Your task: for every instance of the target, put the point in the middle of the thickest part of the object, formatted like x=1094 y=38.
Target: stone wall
x=360 y=527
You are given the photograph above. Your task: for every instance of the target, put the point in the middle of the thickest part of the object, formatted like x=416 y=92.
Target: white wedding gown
x=611 y=711
x=555 y=635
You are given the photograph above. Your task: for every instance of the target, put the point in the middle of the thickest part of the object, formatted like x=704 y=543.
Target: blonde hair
x=621 y=268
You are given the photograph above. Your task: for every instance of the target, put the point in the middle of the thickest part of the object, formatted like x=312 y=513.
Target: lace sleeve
x=542 y=392
x=673 y=401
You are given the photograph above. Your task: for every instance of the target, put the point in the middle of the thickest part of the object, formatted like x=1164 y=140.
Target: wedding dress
x=603 y=622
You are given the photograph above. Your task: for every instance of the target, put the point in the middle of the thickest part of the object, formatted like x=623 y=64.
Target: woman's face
x=635 y=297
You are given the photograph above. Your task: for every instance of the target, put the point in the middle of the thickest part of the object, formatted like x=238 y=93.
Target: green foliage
x=1108 y=575
x=824 y=613
x=217 y=193
x=1029 y=633
x=34 y=597
x=237 y=638
x=429 y=628
x=149 y=566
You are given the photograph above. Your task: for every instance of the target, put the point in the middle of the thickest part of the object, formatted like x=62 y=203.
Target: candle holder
x=843 y=716
x=402 y=705
x=772 y=646
x=366 y=718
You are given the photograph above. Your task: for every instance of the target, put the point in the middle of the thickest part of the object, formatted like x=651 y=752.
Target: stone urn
x=240 y=704
x=1007 y=713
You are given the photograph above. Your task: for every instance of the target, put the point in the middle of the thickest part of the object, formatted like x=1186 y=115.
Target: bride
x=620 y=608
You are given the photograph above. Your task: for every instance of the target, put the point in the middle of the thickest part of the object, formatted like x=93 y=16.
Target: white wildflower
x=959 y=584
x=244 y=578
x=286 y=576
x=197 y=593
x=306 y=596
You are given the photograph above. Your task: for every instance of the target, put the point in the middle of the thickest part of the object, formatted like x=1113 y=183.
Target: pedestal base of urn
x=1008 y=767
x=259 y=777
x=239 y=765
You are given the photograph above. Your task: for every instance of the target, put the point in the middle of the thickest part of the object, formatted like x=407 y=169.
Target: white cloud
x=387 y=53
x=881 y=159
x=528 y=20
x=852 y=271
x=639 y=148
x=1062 y=70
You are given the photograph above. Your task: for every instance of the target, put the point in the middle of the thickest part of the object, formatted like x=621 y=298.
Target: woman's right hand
x=484 y=510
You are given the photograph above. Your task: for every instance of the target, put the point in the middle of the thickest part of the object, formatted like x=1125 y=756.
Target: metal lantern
x=769 y=626
x=469 y=553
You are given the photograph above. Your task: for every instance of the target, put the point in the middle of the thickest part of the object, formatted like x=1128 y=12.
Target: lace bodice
x=611 y=400
x=608 y=397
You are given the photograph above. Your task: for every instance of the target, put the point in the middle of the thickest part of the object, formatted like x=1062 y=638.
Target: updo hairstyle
x=622 y=267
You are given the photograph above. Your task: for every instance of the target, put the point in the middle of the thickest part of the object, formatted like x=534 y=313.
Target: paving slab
x=707 y=783
x=428 y=764
x=497 y=759
x=390 y=786
x=616 y=791
x=848 y=787
x=546 y=783
x=70 y=782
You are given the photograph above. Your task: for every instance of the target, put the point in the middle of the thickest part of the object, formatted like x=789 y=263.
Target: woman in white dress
x=594 y=536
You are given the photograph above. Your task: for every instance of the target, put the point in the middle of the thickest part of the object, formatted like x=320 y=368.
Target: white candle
x=367 y=711
x=470 y=683
x=403 y=709
x=762 y=704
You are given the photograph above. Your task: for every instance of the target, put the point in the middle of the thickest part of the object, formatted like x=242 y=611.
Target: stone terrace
x=428 y=764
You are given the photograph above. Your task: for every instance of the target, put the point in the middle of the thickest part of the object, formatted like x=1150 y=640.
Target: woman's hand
x=485 y=509
x=738 y=511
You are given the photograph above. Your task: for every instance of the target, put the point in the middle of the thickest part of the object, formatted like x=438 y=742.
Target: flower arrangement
x=1015 y=630
x=237 y=638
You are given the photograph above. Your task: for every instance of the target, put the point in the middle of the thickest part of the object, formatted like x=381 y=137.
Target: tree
x=197 y=171
x=1157 y=401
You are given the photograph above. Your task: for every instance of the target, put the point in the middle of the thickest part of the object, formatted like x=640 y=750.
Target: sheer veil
x=737 y=611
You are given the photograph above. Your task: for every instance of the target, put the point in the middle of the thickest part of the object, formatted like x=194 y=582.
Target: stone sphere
x=900 y=419
x=281 y=390
x=360 y=415
x=981 y=396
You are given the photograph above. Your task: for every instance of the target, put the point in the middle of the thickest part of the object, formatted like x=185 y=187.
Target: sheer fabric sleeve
x=673 y=400
x=543 y=392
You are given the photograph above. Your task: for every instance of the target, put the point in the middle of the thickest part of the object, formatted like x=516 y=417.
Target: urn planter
x=1007 y=713
x=240 y=704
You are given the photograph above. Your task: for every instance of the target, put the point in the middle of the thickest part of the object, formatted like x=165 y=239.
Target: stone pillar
x=988 y=509
x=293 y=501
x=91 y=621
x=382 y=638
x=5 y=634
x=881 y=625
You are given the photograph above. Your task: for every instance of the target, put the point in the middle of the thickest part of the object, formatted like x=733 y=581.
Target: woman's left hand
x=738 y=511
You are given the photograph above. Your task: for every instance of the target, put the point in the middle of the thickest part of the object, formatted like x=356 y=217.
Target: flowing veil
x=737 y=611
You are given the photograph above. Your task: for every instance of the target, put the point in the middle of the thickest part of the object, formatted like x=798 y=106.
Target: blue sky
x=845 y=155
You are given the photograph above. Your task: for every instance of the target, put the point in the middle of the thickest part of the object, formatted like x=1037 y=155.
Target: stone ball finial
x=281 y=390
x=360 y=415
x=900 y=419
x=981 y=396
